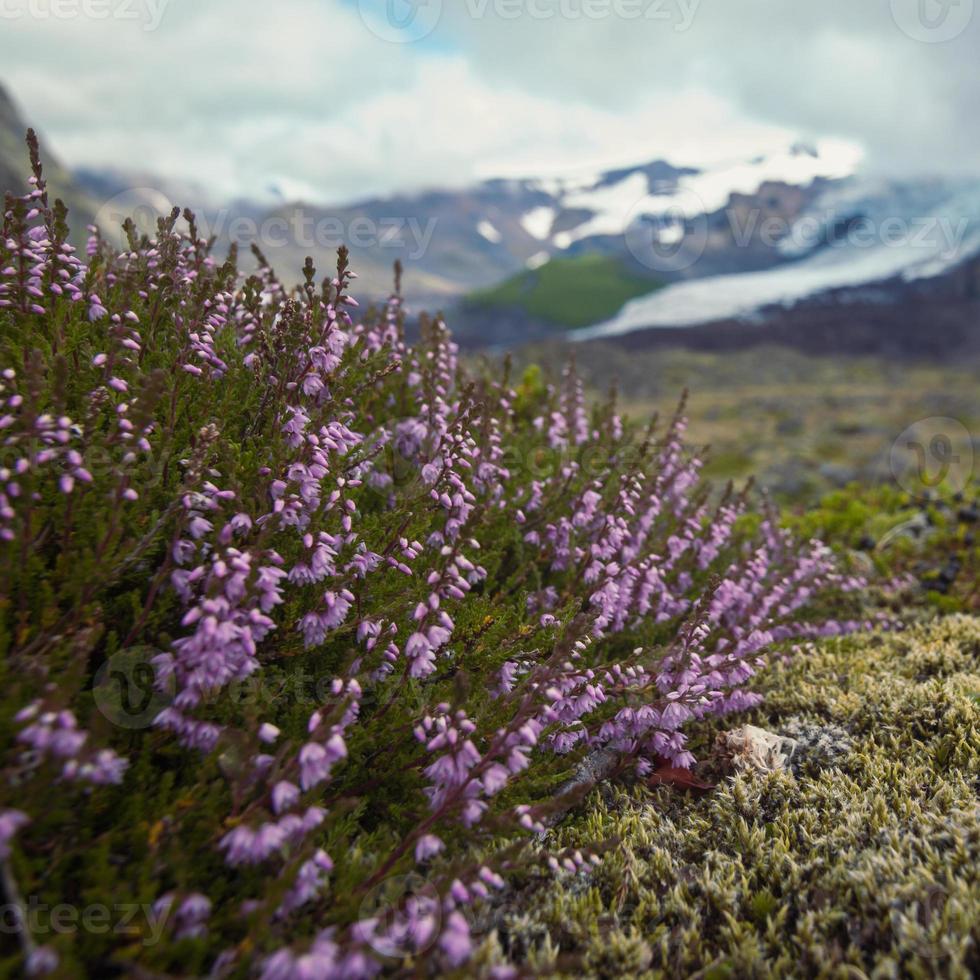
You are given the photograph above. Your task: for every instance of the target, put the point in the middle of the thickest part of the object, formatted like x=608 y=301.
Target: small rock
x=752 y=749
x=817 y=746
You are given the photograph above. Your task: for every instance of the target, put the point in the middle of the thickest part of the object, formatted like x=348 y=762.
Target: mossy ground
x=865 y=867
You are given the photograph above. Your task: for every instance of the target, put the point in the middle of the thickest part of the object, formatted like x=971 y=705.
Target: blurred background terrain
x=808 y=268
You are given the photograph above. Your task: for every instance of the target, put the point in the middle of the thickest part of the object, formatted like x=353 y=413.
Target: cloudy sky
x=335 y=99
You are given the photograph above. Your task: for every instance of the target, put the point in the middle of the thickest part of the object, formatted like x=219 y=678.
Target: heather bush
x=306 y=631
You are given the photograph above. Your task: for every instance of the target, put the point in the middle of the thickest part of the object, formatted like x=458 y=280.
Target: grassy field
x=801 y=425
x=571 y=292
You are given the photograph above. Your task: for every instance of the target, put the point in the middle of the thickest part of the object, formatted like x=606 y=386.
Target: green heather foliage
x=869 y=866
x=302 y=627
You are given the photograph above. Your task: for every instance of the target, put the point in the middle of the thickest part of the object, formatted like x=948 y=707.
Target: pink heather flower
x=192 y=916
x=41 y=961
x=310 y=881
x=455 y=941
x=508 y=677
x=268 y=733
x=420 y=654
x=427 y=846
x=495 y=778
x=324 y=958
x=245 y=845
x=674 y=715
x=315 y=765
x=316 y=760
x=105 y=768
x=491 y=878
x=625 y=545
x=10 y=822
x=284 y=795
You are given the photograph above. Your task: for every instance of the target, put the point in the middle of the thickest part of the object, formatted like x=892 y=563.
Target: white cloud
x=240 y=94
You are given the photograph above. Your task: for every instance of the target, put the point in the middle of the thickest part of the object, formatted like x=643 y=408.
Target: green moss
x=932 y=543
x=864 y=867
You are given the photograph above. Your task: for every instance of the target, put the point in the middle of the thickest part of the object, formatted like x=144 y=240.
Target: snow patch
x=489 y=232
x=736 y=296
x=538 y=221
x=615 y=206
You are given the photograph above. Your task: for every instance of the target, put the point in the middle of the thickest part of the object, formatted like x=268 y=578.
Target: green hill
x=570 y=292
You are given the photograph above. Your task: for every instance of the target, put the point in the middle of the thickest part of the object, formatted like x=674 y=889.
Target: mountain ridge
x=15 y=169
x=697 y=234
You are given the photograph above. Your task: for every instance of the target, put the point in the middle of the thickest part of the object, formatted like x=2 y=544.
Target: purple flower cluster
x=55 y=735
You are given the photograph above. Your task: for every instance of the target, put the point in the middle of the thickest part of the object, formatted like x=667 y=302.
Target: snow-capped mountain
x=856 y=232
x=609 y=203
x=454 y=241
x=716 y=244
x=723 y=242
